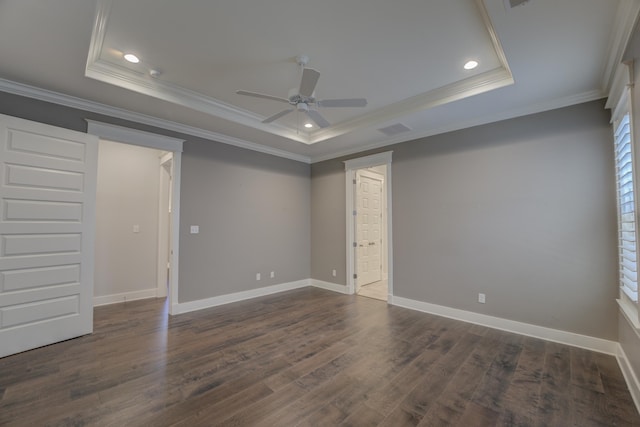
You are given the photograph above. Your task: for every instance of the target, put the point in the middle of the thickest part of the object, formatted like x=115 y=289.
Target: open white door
x=47 y=228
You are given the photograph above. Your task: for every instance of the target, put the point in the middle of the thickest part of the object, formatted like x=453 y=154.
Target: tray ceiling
x=406 y=58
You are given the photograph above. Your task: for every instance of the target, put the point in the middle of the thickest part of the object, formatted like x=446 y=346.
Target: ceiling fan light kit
x=303 y=99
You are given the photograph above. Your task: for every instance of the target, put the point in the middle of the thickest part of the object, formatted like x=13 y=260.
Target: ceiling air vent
x=510 y=4
x=394 y=129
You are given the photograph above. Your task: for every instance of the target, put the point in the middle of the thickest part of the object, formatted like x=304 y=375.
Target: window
x=626 y=210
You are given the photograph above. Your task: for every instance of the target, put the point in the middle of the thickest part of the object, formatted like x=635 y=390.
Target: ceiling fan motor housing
x=295 y=98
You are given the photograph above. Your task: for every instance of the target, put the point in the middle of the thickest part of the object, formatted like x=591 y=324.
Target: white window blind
x=626 y=210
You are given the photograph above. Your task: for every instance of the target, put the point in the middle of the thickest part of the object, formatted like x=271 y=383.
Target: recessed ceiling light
x=308 y=125
x=131 y=58
x=470 y=65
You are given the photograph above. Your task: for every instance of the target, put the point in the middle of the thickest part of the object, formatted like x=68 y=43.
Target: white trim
x=120 y=113
x=563 y=337
x=133 y=136
x=490 y=80
x=164 y=225
x=368 y=161
x=124 y=297
x=334 y=287
x=628 y=310
x=624 y=23
x=629 y=376
x=201 y=304
x=127 y=79
x=493 y=118
x=176 y=175
x=94 y=107
x=351 y=166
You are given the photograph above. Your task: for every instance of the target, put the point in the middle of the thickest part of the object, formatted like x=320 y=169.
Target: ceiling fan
x=302 y=98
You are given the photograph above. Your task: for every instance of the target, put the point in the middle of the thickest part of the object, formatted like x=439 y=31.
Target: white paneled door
x=47 y=227
x=369 y=227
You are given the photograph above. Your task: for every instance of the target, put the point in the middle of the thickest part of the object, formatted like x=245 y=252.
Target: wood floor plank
x=325 y=415
x=619 y=401
x=522 y=398
x=492 y=390
x=584 y=370
x=453 y=401
x=556 y=406
x=307 y=357
x=427 y=391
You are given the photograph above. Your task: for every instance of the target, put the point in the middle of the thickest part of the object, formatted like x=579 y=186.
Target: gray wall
x=128 y=191
x=253 y=207
x=328 y=222
x=253 y=213
x=522 y=210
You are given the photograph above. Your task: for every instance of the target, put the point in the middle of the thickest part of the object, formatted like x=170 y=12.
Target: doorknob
x=372 y=243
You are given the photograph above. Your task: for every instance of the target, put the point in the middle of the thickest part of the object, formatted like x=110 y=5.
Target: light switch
x=195 y=229
x=136 y=228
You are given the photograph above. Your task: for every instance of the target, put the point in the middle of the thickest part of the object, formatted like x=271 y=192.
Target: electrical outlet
x=194 y=229
x=481 y=298
x=273 y=274
x=333 y=273
x=257 y=276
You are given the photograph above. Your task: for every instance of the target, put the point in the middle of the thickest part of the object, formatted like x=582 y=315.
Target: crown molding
x=98 y=69
x=45 y=95
x=625 y=21
x=505 y=115
x=138 y=82
x=484 y=82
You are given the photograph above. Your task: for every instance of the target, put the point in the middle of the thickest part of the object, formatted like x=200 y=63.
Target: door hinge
x=354 y=181
x=355 y=276
x=355 y=213
x=355 y=244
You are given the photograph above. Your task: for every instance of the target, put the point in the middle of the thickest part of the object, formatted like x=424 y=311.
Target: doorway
x=369 y=249
x=173 y=147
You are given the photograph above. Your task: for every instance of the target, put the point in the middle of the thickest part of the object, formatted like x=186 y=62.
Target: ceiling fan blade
x=277 y=116
x=309 y=80
x=317 y=117
x=261 y=95
x=351 y=102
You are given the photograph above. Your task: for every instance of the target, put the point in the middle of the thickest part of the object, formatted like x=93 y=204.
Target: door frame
x=164 y=228
x=350 y=190
x=159 y=142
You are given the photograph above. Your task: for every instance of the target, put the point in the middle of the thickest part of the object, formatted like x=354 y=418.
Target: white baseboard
x=186 y=307
x=555 y=335
x=125 y=296
x=329 y=286
x=629 y=376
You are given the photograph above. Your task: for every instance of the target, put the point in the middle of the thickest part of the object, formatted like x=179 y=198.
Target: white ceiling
x=405 y=57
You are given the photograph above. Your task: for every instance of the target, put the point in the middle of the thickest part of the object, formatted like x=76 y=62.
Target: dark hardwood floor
x=310 y=358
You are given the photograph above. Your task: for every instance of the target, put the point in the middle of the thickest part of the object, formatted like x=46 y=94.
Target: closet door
x=47 y=228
